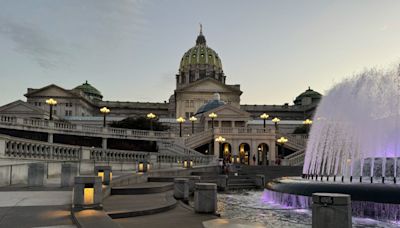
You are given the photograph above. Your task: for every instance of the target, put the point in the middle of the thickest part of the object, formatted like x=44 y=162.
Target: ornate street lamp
x=105 y=111
x=151 y=116
x=212 y=116
x=264 y=116
x=307 y=123
x=193 y=119
x=220 y=140
x=276 y=120
x=51 y=102
x=282 y=140
x=180 y=120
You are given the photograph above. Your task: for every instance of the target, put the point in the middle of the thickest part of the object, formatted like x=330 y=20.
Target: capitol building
x=201 y=89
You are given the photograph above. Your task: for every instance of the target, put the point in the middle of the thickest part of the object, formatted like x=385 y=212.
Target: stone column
x=104 y=143
x=253 y=152
x=68 y=173
x=87 y=192
x=50 y=137
x=331 y=210
x=205 y=198
x=2 y=147
x=36 y=172
x=272 y=152
x=181 y=188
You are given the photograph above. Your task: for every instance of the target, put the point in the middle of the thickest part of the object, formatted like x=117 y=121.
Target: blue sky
x=130 y=49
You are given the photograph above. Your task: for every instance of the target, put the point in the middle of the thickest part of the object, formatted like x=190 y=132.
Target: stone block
x=260 y=181
x=192 y=181
x=87 y=192
x=331 y=210
x=222 y=182
x=205 y=198
x=181 y=188
x=36 y=172
x=68 y=173
x=105 y=172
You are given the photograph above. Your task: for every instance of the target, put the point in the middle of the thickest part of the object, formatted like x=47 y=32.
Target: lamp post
x=193 y=119
x=105 y=111
x=151 y=116
x=307 y=123
x=51 y=102
x=282 y=140
x=264 y=116
x=276 y=120
x=220 y=140
x=212 y=116
x=180 y=121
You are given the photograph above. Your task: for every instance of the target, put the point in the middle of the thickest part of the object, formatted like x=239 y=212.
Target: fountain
x=353 y=148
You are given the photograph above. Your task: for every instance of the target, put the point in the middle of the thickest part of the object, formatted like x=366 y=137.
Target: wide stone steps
x=140 y=199
x=145 y=188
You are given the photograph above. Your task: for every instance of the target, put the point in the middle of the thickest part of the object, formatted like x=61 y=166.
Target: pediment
x=228 y=111
x=20 y=107
x=50 y=91
x=209 y=85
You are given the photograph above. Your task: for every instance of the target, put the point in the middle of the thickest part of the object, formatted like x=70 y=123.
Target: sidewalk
x=22 y=207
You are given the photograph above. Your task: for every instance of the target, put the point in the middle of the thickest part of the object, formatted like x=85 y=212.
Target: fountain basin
x=376 y=192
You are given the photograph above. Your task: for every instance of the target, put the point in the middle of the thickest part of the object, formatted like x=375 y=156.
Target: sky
x=130 y=49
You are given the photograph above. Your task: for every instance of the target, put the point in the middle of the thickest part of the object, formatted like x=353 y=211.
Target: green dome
x=90 y=91
x=314 y=95
x=201 y=54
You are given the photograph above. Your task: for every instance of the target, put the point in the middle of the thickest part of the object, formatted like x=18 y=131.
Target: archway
x=262 y=154
x=226 y=151
x=244 y=153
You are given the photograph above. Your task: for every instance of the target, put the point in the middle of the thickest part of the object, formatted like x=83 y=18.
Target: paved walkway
x=179 y=217
x=38 y=208
x=137 y=203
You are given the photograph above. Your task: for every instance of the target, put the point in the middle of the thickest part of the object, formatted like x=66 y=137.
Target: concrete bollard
x=331 y=210
x=205 y=198
x=87 y=192
x=36 y=173
x=222 y=182
x=192 y=181
x=68 y=173
x=260 y=181
x=181 y=188
x=105 y=172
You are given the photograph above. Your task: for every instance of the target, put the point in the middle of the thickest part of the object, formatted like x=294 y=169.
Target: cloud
x=60 y=32
x=31 y=41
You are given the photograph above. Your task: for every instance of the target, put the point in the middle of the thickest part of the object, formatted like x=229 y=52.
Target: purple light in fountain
x=286 y=200
x=380 y=211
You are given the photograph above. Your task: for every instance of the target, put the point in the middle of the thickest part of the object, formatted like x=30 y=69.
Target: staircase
x=241 y=182
x=295 y=159
x=295 y=142
x=199 y=139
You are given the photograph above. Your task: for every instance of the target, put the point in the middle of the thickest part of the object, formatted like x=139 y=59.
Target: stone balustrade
x=26 y=149
x=243 y=130
x=295 y=159
x=62 y=127
x=36 y=150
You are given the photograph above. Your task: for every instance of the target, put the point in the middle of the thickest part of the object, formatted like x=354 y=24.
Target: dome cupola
x=200 y=62
x=308 y=97
x=89 y=91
